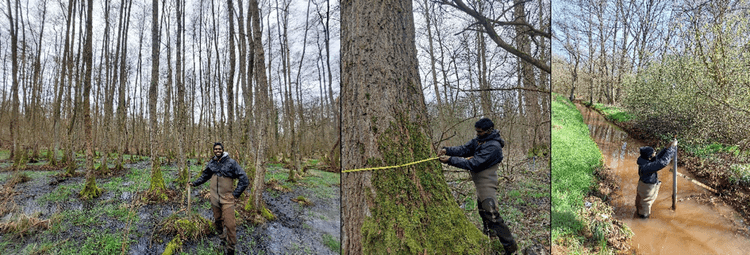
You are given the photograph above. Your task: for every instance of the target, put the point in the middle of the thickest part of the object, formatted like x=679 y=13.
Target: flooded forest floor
x=42 y=213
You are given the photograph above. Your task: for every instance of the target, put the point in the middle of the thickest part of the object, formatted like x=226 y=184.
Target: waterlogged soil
x=701 y=223
x=99 y=226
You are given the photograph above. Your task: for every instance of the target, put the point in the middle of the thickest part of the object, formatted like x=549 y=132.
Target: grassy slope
x=574 y=158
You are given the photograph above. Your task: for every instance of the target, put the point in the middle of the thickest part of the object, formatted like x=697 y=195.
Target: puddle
x=698 y=227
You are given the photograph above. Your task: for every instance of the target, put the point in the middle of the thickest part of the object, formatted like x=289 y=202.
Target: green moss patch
x=413 y=210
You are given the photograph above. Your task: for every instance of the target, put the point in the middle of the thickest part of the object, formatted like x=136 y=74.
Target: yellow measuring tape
x=388 y=167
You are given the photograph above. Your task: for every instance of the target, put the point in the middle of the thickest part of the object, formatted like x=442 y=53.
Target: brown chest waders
x=222 y=204
x=486 y=185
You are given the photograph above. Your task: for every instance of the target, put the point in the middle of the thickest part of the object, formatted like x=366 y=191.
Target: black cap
x=484 y=124
x=646 y=152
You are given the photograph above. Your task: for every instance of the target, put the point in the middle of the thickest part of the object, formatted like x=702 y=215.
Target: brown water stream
x=707 y=227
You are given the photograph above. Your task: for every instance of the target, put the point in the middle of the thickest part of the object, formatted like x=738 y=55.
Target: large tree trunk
x=403 y=210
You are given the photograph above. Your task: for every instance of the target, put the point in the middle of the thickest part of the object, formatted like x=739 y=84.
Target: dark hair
x=219 y=144
x=484 y=124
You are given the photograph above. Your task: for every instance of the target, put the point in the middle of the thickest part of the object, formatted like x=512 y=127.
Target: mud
x=297 y=229
x=701 y=224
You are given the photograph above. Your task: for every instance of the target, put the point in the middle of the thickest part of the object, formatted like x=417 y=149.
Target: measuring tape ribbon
x=388 y=167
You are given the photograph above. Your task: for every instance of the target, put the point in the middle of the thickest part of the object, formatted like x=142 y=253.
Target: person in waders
x=649 y=163
x=221 y=171
x=485 y=152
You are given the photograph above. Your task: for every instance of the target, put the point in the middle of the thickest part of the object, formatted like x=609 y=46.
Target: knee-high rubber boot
x=496 y=225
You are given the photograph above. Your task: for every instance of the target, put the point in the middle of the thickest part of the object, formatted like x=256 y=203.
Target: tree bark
x=90 y=190
x=403 y=210
x=157 y=182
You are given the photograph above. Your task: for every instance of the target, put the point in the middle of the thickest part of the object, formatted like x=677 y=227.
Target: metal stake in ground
x=674 y=183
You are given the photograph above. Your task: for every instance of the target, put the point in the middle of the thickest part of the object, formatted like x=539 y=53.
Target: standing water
x=694 y=228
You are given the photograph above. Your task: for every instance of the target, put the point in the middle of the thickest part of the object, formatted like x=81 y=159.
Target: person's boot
x=219 y=227
x=497 y=226
x=229 y=251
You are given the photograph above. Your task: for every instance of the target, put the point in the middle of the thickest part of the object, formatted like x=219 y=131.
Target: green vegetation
x=62 y=193
x=613 y=113
x=574 y=158
x=4 y=154
x=740 y=174
x=332 y=243
x=320 y=182
x=96 y=243
x=707 y=150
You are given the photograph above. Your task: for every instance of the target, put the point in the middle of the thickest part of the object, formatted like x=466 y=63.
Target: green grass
x=332 y=243
x=320 y=182
x=63 y=193
x=4 y=154
x=706 y=150
x=613 y=112
x=5 y=176
x=574 y=158
x=96 y=243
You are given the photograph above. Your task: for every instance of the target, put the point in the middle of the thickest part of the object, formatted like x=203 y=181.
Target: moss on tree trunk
x=90 y=190
x=414 y=212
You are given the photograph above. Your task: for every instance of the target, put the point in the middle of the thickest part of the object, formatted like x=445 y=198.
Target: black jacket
x=485 y=152
x=647 y=169
x=225 y=167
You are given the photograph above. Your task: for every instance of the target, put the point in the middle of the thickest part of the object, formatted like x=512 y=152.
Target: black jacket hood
x=494 y=135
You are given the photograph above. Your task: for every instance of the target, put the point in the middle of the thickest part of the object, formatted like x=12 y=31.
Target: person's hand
x=444 y=158
x=674 y=143
x=442 y=152
x=191 y=184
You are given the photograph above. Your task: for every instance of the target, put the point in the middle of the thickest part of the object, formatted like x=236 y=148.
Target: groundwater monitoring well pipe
x=674 y=183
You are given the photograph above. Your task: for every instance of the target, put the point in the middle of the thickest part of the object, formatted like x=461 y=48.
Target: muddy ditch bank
x=116 y=223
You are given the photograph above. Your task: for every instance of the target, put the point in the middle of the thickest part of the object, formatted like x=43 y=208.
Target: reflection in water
x=694 y=228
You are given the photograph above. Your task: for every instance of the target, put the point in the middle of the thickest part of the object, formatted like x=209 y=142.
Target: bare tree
x=90 y=190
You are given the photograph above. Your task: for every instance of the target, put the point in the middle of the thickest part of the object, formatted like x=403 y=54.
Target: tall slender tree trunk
x=180 y=113
x=230 y=72
x=404 y=210
x=157 y=182
x=14 y=86
x=261 y=103
x=90 y=190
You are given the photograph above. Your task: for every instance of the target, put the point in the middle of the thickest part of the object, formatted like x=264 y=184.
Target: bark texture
x=384 y=122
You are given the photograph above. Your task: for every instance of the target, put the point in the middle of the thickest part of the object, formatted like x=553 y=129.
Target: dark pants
x=486 y=185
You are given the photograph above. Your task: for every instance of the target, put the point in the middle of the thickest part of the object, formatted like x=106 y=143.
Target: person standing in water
x=649 y=163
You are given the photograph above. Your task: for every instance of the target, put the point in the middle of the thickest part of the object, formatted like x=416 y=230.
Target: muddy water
x=707 y=227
